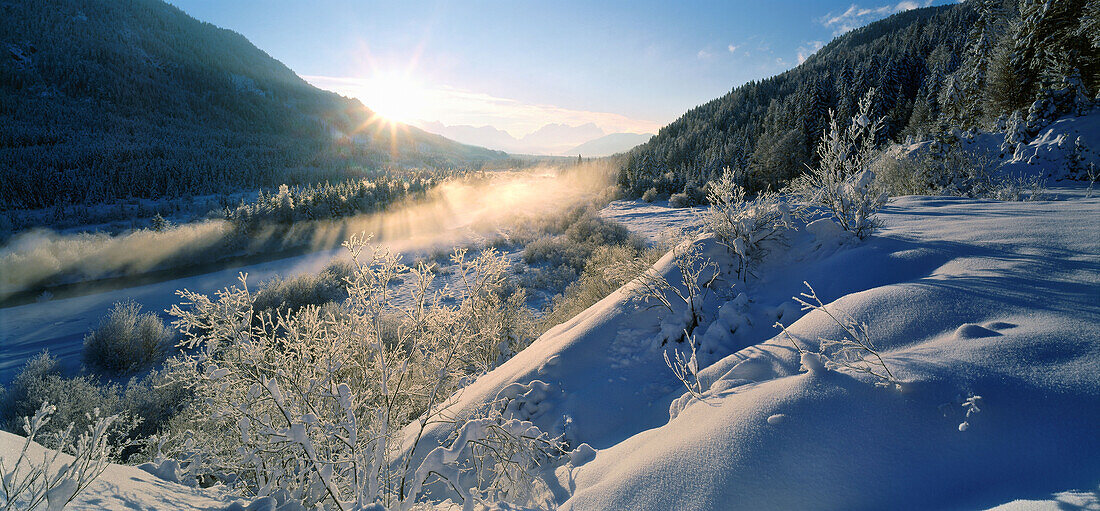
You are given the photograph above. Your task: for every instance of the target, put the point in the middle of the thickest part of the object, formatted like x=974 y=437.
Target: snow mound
x=1022 y=270
x=985 y=311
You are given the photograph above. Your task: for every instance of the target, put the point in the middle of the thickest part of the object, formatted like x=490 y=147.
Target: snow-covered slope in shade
x=965 y=298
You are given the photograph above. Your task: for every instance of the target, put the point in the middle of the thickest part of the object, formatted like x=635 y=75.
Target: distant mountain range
x=610 y=144
x=586 y=140
x=103 y=100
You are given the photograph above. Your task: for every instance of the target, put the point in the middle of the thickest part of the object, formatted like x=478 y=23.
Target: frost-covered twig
x=854 y=351
x=697 y=275
x=28 y=483
x=971 y=406
x=686 y=369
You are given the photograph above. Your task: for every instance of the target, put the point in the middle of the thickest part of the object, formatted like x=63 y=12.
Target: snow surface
x=123 y=487
x=965 y=298
x=653 y=221
x=970 y=301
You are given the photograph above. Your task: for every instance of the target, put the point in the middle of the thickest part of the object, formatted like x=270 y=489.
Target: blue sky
x=627 y=66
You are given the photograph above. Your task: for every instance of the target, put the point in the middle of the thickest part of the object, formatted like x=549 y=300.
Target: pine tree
x=976 y=63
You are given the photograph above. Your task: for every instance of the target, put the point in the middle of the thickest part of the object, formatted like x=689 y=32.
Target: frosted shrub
x=843 y=181
x=498 y=317
x=293 y=293
x=75 y=399
x=953 y=170
x=560 y=259
x=854 y=351
x=650 y=195
x=679 y=200
x=603 y=274
x=493 y=458
x=742 y=225
x=304 y=405
x=126 y=340
x=697 y=274
x=34 y=482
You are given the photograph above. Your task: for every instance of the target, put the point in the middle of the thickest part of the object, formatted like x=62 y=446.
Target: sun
x=394 y=96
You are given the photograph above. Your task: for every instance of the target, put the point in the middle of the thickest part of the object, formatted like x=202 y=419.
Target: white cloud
x=459 y=107
x=856 y=16
x=732 y=48
x=807 y=49
x=704 y=54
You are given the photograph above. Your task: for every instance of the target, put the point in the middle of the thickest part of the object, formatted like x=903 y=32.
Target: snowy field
x=977 y=306
x=971 y=302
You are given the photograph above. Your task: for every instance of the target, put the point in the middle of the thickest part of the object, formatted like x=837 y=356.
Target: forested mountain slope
x=104 y=99
x=932 y=69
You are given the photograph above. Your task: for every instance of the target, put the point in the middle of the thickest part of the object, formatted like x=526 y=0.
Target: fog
x=474 y=209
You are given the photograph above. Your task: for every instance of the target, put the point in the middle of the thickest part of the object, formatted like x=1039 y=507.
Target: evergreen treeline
x=932 y=70
x=109 y=99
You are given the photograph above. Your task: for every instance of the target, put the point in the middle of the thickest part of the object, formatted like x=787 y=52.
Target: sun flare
x=394 y=96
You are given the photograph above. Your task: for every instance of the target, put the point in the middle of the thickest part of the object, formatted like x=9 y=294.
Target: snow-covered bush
x=494 y=310
x=126 y=340
x=743 y=224
x=854 y=351
x=843 y=181
x=1081 y=163
x=953 y=170
x=560 y=255
x=31 y=482
x=156 y=400
x=680 y=200
x=494 y=458
x=287 y=294
x=650 y=195
x=1016 y=133
x=304 y=405
x=696 y=275
x=603 y=274
x=75 y=398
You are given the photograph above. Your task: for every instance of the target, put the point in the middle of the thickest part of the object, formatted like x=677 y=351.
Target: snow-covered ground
x=654 y=221
x=120 y=486
x=966 y=299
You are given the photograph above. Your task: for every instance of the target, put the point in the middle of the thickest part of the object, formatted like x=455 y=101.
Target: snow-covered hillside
x=980 y=306
x=971 y=301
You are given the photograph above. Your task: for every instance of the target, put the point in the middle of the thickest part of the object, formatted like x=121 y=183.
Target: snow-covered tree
x=743 y=224
x=843 y=181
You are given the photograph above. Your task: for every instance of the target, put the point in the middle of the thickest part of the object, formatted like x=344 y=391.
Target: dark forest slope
x=102 y=99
